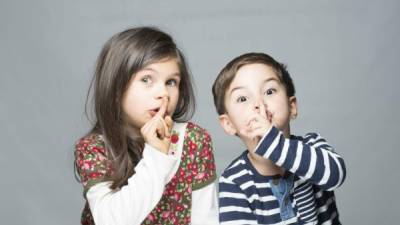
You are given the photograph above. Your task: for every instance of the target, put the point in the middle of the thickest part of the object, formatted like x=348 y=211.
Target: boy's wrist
x=268 y=131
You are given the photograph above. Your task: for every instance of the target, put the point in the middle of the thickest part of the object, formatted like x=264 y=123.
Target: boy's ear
x=227 y=125
x=293 y=107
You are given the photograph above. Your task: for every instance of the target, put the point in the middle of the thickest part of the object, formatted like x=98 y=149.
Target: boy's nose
x=257 y=107
x=258 y=104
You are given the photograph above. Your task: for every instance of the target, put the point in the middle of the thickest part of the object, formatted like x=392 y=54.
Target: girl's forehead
x=169 y=67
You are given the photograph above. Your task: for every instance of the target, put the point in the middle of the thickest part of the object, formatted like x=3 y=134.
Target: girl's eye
x=146 y=79
x=270 y=91
x=172 y=82
x=241 y=99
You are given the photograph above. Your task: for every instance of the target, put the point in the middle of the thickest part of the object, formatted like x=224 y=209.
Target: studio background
x=343 y=57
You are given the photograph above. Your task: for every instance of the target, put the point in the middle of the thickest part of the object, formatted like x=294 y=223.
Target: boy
x=281 y=178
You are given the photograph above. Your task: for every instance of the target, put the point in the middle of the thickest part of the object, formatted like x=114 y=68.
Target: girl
x=142 y=163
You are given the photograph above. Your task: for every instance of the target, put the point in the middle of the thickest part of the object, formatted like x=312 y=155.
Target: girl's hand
x=257 y=126
x=157 y=131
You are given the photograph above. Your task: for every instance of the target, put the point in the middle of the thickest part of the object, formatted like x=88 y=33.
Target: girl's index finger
x=163 y=109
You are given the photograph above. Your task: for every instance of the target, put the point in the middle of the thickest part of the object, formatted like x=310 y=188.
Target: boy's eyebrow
x=270 y=79
x=265 y=81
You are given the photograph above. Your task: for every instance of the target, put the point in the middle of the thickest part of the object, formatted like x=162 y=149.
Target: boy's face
x=253 y=85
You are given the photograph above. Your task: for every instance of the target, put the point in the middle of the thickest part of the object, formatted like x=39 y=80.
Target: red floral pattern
x=196 y=170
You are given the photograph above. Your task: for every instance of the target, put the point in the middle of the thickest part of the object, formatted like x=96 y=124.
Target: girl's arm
x=134 y=201
x=205 y=205
x=311 y=158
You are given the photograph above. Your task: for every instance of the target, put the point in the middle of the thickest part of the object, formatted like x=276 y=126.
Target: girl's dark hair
x=121 y=57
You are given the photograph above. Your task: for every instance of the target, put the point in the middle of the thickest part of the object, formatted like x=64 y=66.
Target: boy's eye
x=241 y=99
x=172 y=82
x=270 y=91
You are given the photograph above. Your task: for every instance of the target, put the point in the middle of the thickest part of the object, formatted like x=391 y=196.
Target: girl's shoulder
x=91 y=143
x=91 y=160
x=197 y=134
x=195 y=129
x=200 y=157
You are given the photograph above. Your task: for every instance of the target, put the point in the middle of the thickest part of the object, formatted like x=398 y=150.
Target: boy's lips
x=269 y=115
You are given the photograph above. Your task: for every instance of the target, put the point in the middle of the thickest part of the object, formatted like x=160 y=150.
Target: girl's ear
x=227 y=124
x=293 y=107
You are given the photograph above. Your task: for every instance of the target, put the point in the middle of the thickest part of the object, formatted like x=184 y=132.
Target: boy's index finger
x=263 y=111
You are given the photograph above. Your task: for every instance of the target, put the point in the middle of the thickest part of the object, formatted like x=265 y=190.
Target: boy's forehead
x=252 y=75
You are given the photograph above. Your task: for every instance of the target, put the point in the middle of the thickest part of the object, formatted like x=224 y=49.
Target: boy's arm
x=234 y=206
x=312 y=158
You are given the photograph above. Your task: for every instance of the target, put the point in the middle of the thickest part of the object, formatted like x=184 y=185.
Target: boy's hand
x=257 y=125
x=157 y=131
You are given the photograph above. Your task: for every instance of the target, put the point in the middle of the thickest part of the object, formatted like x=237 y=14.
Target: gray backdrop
x=343 y=57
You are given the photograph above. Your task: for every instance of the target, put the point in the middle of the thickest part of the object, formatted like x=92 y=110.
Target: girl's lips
x=153 y=112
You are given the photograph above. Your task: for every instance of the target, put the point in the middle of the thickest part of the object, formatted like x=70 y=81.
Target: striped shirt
x=315 y=169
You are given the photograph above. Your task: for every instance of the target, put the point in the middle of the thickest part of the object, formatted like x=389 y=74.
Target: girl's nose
x=162 y=92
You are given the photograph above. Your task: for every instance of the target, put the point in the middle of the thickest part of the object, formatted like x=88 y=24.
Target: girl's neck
x=132 y=132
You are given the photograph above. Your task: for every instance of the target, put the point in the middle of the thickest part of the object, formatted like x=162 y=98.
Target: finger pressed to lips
x=162 y=110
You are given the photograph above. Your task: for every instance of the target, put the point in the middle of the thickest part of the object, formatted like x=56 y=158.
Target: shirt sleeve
x=201 y=150
x=134 y=201
x=205 y=206
x=310 y=158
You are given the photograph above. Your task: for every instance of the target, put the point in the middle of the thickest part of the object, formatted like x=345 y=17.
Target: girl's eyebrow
x=178 y=74
x=235 y=89
x=149 y=69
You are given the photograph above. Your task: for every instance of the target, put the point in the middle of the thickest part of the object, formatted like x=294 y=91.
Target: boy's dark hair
x=228 y=73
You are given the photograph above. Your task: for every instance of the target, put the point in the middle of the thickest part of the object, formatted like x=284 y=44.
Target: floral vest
x=196 y=170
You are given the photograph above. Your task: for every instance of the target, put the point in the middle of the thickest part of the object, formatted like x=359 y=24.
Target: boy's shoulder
x=236 y=169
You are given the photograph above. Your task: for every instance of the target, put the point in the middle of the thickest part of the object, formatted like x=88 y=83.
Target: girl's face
x=146 y=90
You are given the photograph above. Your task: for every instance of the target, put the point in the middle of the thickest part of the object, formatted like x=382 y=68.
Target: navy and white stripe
x=245 y=196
